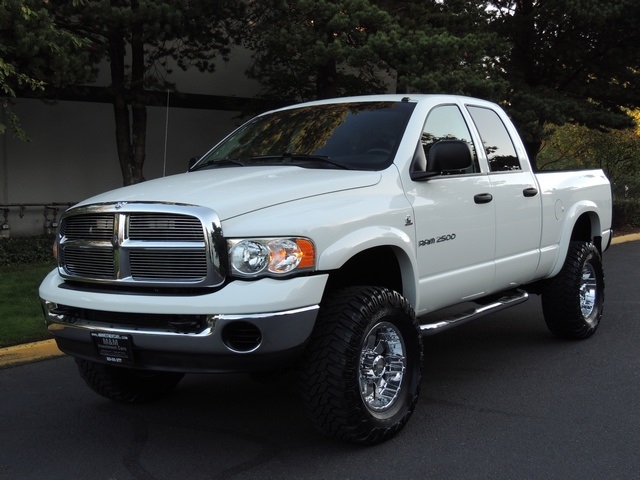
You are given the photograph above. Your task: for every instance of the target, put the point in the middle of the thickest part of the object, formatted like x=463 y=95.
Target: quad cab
x=327 y=236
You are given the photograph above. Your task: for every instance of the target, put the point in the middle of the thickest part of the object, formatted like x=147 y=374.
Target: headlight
x=254 y=257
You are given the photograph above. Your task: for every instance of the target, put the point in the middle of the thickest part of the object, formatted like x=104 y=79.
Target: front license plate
x=113 y=347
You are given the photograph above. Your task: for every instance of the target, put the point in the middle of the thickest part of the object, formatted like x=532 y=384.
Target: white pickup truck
x=326 y=236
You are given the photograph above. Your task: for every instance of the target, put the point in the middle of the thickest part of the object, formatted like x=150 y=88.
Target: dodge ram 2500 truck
x=326 y=236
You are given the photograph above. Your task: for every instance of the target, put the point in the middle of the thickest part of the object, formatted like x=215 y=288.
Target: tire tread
x=326 y=375
x=560 y=304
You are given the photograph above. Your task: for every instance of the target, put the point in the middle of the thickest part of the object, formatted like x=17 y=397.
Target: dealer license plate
x=113 y=347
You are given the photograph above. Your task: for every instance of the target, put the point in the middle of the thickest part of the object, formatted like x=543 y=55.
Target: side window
x=497 y=143
x=446 y=122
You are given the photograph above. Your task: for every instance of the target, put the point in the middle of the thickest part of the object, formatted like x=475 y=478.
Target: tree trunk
x=138 y=108
x=131 y=124
x=327 y=80
x=123 y=138
x=120 y=108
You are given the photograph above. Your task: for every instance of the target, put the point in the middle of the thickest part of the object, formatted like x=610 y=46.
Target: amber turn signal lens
x=308 y=253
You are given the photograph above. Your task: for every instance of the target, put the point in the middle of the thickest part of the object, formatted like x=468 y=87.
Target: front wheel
x=127 y=385
x=361 y=372
x=573 y=300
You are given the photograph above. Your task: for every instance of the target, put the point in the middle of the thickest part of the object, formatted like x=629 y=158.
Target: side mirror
x=446 y=156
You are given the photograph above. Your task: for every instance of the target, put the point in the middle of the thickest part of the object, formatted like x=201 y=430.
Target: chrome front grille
x=142 y=244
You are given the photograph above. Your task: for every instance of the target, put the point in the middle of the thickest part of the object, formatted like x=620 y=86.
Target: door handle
x=530 y=192
x=482 y=198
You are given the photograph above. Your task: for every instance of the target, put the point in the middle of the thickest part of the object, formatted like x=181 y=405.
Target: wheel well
x=377 y=266
x=587 y=228
x=582 y=229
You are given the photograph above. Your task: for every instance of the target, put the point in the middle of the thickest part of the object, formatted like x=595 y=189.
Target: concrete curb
x=625 y=238
x=37 y=351
x=29 y=352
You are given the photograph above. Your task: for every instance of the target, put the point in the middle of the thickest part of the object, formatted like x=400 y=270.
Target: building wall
x=72 y=154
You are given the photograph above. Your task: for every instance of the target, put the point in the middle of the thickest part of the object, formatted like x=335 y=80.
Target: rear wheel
x=572 y=302
x=361 y=372
x=127 y=385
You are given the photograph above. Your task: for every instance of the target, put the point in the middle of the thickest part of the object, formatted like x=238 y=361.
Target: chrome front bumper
x=245 y=326
x=227 y=343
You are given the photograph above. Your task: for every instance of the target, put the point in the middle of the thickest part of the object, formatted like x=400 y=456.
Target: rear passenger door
x=516 y=198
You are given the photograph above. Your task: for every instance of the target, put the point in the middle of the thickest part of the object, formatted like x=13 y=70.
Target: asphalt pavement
x=501 y=399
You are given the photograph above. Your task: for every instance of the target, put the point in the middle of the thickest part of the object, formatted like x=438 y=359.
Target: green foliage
x=25 y=250
x=442 y=47
x=192 y=34
x=569 y=61
x=306 y=49
x=617 y=152
x=626 y=213
x=34 y=54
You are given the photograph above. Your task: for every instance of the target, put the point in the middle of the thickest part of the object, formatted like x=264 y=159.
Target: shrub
x=21 y=250
x=626 y=213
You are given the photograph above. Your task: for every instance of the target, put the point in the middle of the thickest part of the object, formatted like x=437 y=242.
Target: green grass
x=21 y=319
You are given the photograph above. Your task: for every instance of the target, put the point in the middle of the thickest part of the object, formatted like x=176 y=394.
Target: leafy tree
x=438 y=46
x=305 y=49
x=34 y=54
x=140 y=39
x=575 y=146
x=570 y=61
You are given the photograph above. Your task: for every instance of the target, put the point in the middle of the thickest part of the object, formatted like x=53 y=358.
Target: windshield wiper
x=218 y=162
x=304 y=156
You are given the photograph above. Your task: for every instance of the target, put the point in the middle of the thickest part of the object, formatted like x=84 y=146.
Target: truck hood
x=234 y=191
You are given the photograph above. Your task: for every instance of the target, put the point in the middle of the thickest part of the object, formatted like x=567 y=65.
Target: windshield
x=362 y=136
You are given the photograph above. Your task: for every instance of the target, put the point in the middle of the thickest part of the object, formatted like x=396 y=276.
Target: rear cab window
x=496 y=141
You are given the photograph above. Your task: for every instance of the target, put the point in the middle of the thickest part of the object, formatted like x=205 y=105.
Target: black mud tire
x=359 y=330
x=127 y=385
x=573 y=300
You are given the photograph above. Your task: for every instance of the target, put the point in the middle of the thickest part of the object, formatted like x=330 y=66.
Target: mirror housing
x=192 y=162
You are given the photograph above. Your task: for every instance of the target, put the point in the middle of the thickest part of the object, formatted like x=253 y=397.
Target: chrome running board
x=511 y=299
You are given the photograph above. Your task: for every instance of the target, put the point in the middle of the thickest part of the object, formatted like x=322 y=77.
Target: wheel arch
x=372 y=257
x=582 y=224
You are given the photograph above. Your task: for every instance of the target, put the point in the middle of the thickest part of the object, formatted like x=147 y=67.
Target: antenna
x=166 y=136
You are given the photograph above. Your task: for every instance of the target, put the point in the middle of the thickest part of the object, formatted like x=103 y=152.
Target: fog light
x=241 y=337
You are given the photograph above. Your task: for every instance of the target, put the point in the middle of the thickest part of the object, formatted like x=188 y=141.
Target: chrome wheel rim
x=588 y=290
x=382 y=367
